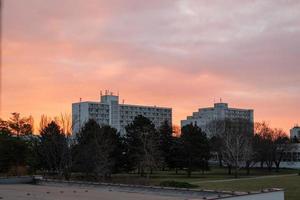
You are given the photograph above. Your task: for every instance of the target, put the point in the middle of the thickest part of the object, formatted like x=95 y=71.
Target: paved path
x=239 y=179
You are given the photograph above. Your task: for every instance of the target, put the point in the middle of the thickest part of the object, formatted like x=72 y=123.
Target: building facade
x=295 y=132
x=110 y=112
x=204 y=116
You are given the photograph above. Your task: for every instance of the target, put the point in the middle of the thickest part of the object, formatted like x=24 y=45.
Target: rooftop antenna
x=123 y=101
x=118 y=93
x=220 y=100
x=101 y=93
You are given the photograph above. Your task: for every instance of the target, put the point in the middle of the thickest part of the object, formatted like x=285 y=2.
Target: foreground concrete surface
x=56 y=191
x=63 y=192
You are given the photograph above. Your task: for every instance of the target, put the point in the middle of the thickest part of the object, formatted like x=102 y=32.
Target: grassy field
x=290 y=183
x=213 y=174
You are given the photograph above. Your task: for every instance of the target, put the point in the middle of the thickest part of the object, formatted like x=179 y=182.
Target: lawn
x=215 y=173
x=291 y=185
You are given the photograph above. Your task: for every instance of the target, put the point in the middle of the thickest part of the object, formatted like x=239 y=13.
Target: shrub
x=177 y=184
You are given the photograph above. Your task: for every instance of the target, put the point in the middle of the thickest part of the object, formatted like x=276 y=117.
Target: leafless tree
x=271 y=145
x=236 y=143
x=64 y=120
x=282 y=145
x=44 y=121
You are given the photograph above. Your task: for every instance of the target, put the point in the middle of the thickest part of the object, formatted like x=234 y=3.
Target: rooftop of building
x=296 y=127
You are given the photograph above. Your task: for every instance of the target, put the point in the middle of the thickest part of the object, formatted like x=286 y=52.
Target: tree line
x=99 y=150
x=242 y=144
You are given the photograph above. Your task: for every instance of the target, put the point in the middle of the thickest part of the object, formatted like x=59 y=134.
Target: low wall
x=16 y=180
x=277 y=195
x=268 y=194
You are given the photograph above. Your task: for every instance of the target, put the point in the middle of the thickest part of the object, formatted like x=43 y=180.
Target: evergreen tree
x=54 y=149
x=195 y=148
x=13 y=152
x=165 y=143
x=142 y=145
x=96 y=150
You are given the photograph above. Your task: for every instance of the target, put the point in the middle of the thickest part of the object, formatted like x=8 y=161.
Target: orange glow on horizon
x=166 y=53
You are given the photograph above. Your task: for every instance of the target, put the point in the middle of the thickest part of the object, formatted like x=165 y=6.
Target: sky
x=183 y=54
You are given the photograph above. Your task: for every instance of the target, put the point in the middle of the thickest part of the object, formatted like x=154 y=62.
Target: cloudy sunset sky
x=176 y=53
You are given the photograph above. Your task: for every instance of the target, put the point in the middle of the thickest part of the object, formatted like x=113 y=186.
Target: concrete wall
x=278 y=195
x=16 y=180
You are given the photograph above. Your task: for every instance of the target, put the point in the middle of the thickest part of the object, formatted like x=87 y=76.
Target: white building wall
x=156 y=114
x=295 y=132
x=109 y=111
x=220 y=111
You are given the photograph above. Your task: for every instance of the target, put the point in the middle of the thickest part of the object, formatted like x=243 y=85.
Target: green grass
x=214 y=174
x=291 y=185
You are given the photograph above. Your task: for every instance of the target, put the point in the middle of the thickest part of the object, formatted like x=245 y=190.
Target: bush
x=177 y=184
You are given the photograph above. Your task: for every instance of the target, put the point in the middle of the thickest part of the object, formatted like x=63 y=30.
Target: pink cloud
x=181 y=54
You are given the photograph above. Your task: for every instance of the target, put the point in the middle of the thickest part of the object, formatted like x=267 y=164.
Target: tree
x=165 y=143
x=177 y=154
x=142 y=145
x=195 y=148
x=264 y=144
x=54 y=149
x=20 y=126
x=215 y=143
x=4 y=127
x=271 y=145
x=64 y=120
x=282 y=145
x=236 y=143
x=96 y=150
x=215 y=130
x=18 y=144
x=13 y=152
x=44 y=121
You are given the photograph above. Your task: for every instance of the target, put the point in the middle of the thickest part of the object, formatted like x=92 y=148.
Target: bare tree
x=236 y=143
x=281 y=146
x=271 y=145
x=44 y=121
x=64 y=120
